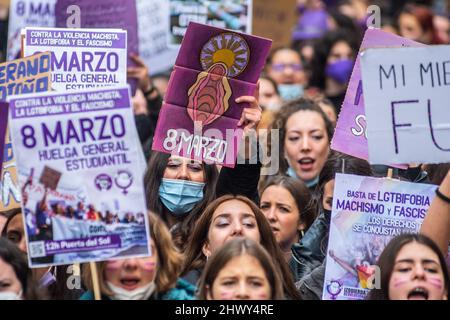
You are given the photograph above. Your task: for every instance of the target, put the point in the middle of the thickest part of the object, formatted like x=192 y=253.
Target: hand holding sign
x=251 y=116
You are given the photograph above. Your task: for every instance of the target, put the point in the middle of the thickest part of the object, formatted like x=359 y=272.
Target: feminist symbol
x=123 y=180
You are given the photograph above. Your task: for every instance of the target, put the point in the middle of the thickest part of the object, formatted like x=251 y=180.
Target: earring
x=302 y=233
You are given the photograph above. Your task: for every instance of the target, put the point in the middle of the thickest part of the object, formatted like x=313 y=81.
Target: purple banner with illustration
x=199 y=117
x=350 y=135
x=81 y=174
x=367 y=213
x=81 y=58
x=3 y=124
x=114 y=14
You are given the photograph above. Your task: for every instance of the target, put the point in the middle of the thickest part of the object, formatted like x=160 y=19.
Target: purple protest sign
x=350 y=135
x=3 y=124
x=120 y=14
x=199 y=117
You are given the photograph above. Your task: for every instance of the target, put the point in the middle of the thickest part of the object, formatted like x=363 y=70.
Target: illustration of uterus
x=209 y=95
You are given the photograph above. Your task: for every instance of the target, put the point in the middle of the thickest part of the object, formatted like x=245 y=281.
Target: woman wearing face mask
x=240 y=270
x=179 y=189
x=332 y=65
x=285 y=202
x=16 y=282
x=311 y=251
x=304 y=137
x=286 y=68
x=225 y=219
x=412 y=268
x=150 y=278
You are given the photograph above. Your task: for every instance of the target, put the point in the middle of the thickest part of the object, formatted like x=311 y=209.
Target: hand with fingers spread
x=140 y=72
x=251 y=116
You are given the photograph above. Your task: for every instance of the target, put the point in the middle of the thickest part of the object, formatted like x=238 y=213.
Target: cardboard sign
x=27 y=13
x=114 y=14
x=153 y=19
x=282 y=16
x=350 y=135
x=199 y=117
x=50 y=178
x=366 y=214
x=27 y=75
x=233 y=15
x=407 y=92
x=81 y=58
x=84 y=146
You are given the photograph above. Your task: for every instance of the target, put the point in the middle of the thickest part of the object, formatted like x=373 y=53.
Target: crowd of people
x=233 y=233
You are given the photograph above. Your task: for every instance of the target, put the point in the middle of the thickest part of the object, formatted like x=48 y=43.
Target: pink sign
x=350 y=135
x=199 y=117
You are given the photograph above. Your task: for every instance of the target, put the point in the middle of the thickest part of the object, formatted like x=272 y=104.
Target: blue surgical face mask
x=290 y=92
x=180 y=196
x=310 y=183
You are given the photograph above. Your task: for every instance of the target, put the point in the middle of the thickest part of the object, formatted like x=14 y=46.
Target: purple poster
x=199 y=117
x=3 y=124
x=115 y=14
x=350 y=136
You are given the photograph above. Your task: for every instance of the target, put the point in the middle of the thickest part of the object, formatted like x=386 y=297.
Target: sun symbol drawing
x=223 y=56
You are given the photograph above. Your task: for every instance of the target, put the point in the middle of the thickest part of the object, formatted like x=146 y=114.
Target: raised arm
x=436 y=224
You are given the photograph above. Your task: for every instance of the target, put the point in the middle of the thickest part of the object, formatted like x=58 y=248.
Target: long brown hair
x=235 y=248
x=195 y=259
x=386 y=262
x=169 y=261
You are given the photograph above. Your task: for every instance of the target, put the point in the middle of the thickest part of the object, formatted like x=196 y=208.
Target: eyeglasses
x=279 y=67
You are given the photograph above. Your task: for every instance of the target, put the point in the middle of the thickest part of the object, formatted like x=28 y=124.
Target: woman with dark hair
x=310 y=253
x=304 y=133
x=224 y=219
x=412 y=268
x=178 y=189
x=241 y=270
x=285 y=202
x=415 y=22
x=16 y=282
x=332 y=65
x=147 y=278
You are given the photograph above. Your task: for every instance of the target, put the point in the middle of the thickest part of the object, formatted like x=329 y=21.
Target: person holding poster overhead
x=304 y=139
x=436 y=224
x=412 y=268
x=148 y=278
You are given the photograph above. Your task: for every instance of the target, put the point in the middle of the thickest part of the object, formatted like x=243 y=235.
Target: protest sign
x=282 y=17
x=3 y=124
x=27 y=13
x=153 y=19
x=234 y=15
x=367 y=213
x=10 y=196
x=111 y=14
x=350 y=135
x=89 y=204
x=27 y=75
x=199 y=117
x=81 y=58
x=407 y=92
